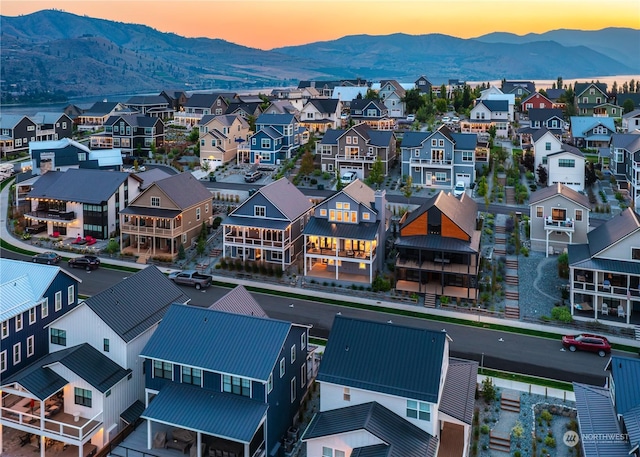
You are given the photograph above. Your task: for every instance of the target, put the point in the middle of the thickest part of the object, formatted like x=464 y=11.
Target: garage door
x=358 y=171
x=465 y=177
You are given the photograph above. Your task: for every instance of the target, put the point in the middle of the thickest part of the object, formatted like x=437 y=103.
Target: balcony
x=250 y=241
x=438 y=264
x=346 y=255
x=357 y=157
x=438 y=162
x=52 y=215
x=564 y=225
x=150 y=230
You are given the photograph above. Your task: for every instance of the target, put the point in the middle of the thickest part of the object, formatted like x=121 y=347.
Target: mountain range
x=52 y=51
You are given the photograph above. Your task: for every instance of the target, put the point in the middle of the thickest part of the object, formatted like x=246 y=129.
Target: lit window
x=32 y=316
x=18 y=320
x=365 y=216
x=323 y=212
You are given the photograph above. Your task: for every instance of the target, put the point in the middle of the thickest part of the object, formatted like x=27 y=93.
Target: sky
x=267 y=24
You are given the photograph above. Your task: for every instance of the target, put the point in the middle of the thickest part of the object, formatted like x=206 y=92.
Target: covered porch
x=152 y=231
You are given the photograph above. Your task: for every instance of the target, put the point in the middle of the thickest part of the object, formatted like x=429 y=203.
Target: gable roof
x=47 y=117
x=628 y=141
x=83 y=185
x=134 y=120
x=84 y=360
x=580 y=125
x=533 y=95
x=559 y=189
x=362 y=103
x=325 y=105
x=147 y=100
x=239 y=301
x=135 y=304
x=150 y=176
x=579 y=88
x=462 y=212
x=9 y=121
x=287 y=198
x=275 y=119
x=400 y=437
x=184 y=328
x=23 y=285
x=183 y=189
x=100 y=109
x=361 y=193
x=357 y=348
x=495 y=105
x=612 y=231
x=465 y=141
x=512 y=86
x=625 y=372
x=200 y=100
x=540 y=133
x=544 y=114
x=632 y=424
x=458 y=393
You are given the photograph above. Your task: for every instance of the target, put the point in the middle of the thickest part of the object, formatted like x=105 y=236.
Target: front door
x=428 y=179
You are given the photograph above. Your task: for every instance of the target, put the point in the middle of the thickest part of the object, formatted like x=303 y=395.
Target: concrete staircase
x=215 y=253
x=510 y=195
x=429 y=300
x=636 y=330
x=500 y=443
x=500 y=243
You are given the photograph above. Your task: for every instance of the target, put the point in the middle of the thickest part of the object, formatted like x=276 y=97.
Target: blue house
x=591 y=131
x=232 y=382
x=276 y=137
x=33 y=295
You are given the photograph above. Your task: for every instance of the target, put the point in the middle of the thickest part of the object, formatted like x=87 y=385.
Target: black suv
x=88 y=262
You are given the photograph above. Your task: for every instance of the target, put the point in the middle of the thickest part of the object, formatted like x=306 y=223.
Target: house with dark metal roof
x=604 y=273
x=221 y=138
x=234 y=380
x=440 y=159
x=321 y=114
x=276 y=137
x=486 y=114
x=16 y=131
x=423 y=85
x=94 y=117
x=421 y=402
x=345 y=238
x=588 y=96
x=558 y=217
x=239 y=301
x=169 y=212
x=176 y=98
x=371 y=112
x=74 y=395
x=33 y=295
x=151 y=105
x=356 y=149
x=519 y=88
x=564 y=163
x=439 y=249
x=52 y=125
x=134 y=134
x=624 y=160
x=80 y=202
x=201 y=104
x=268 y=226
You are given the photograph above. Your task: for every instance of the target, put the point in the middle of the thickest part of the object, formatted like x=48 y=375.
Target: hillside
x=53 y=52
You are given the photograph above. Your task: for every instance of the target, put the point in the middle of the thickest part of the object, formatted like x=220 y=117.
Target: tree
x=441 y=105
x=339 y=184
x=614 y=88
x=413 y=100
x=194 y=136
x=251 y=119
x=265 y=102
x=542 y=175
x=488 y=390
x=407 y=189
x=376 y=174
x=628 y=106
x=306 y=164
x=528 y=160
x=589 y=174
x=372 y=95
x=632 y=85
x=466 y=97
x=443 y=92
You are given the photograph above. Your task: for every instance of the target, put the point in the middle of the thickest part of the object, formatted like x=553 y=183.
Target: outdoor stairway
x=511 y=274
x=501 y=443
x=511 y=311
x=215 y=253
x=143 y=259
x=501 y=229
x=509 y=403
x=510 y=194
x=637 y=332
x=430 y=300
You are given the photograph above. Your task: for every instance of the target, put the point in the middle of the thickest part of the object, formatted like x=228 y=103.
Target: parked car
x=455 y=119
x=446 y=119
x=88 y=262
x=252 y=176
x=191 y=278
x=348 y=177
x=411 y=117
x=459 y=189
x=587 y=342
x=48 y=257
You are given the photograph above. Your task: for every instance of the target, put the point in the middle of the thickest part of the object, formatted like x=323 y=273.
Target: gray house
x=268 y=226
x=559 y=217
x=625 y=163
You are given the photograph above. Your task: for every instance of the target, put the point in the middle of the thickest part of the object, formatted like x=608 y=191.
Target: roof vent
x=346 y=348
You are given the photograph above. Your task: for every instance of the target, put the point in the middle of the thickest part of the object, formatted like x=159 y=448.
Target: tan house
x=165 y=215
x=220 y=137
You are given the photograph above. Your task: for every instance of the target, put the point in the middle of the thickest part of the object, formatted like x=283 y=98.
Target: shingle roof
x=357 y=349
x=134 y=120
x=543 y=114
x=539 y=133
x=462 y=212
x=628 y=141
x=401 y=437
x=465 y=141
x=23 y=284
x=235 y=354
x=613 y=230
x=135 y=304
x=414 y=139
x=100 y=108
x=183 y=189
x=626 y=376
x=202 y=100
x=554 y=94
x=275 y=119
x=380 y=137
x=322 y=227
x=559 y=189
x=361 y=193
x=458 y=393
x=147 y=100
x=287 y=198
x=150 y=176
x=325 y=105
x=331 y=136
x=239 y=301
x=81 y=185
x=579 y=88
x=596 y=416
x=224 y=415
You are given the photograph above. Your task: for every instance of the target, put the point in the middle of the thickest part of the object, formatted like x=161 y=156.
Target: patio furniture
x=621 y=311
x=604 y=309
x=159 y=440
x=584 y=306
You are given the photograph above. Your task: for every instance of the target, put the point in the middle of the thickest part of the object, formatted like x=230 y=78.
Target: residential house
x=268 y=226
x=495 y=94
x=423 y=85
x=151 y=105
x=16 y=131
x=276 y=137
x=392 y=95
x=245 y=109
x=622 y=97
x=624 y=163
x=293 y=96
x=241 y=395
x=199 y=105
x=588 y=96
x=33 y=295
x=371 y=112
x=356 y=149
x=283 y=107
x=558 y=217
x=592 y=132
x=74 y=396
x=321 y=114
x=439 y=159
x=556 y=97
x=133 y=134
x=220 y=137
x=613 y=410
x=168 y=213
x=176 y=98
x=439 y=249
x=60 y=155
x=604 y=273
x=564 y=163
x=347 y=94
x=345 y=238
x=486 y=114
x=421 y=404
x=119 y=321
x=80 y=202
x=52 y=126
x=631 y=122
x=93 y=118
x=535 y=100
x=549 y=118
x=521 y=89
x=454 y=85
x=608 y=110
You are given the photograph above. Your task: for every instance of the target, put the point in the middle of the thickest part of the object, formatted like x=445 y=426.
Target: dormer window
x=259 y=211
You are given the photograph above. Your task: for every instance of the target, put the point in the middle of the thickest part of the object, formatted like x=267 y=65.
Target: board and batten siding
x=136 y=363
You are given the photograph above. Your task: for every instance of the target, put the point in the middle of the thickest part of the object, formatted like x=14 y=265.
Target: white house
x=564 y=163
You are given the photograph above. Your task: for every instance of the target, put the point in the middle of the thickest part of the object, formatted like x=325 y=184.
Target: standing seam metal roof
x=82 y=185
x=458 y=394
x=626 y=375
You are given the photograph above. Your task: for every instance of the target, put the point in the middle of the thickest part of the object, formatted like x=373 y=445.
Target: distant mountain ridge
x=53 y=51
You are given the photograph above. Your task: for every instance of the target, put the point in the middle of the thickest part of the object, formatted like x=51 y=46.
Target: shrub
x=488 y=390
x=380 y=284
x=484 y=429
x=517 y=430
x=549 y=441
x=546 y=416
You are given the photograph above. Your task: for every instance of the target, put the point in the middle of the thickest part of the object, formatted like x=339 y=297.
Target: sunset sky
x=268 y=24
